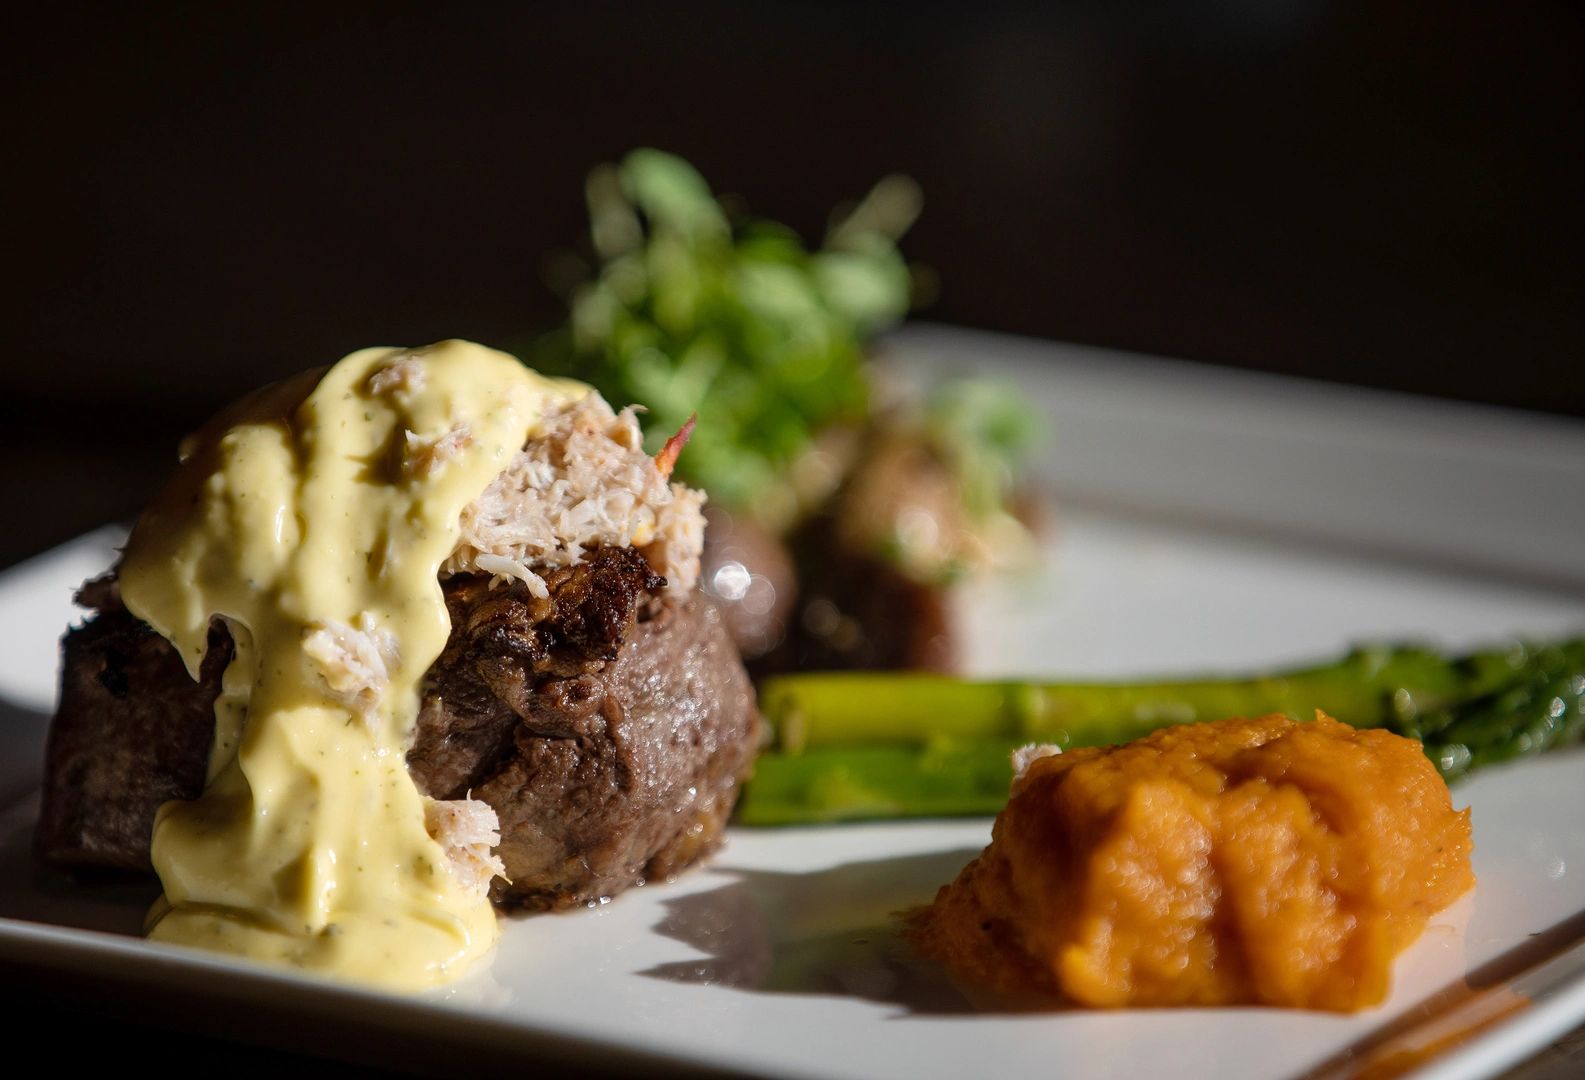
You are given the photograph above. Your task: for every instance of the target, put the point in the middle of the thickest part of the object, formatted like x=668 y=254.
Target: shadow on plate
x=834 y=932
x=111 y=903
x=22 y=734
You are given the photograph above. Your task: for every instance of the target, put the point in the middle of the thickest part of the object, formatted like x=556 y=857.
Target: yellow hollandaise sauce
x=320 y=510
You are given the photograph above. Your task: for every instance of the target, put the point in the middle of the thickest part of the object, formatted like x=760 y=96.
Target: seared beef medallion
x=607 y=724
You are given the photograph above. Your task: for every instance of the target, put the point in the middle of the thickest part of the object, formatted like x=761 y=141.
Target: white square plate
x=1209 y=521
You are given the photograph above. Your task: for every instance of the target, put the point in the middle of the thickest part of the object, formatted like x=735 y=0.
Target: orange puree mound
x=1244 y=861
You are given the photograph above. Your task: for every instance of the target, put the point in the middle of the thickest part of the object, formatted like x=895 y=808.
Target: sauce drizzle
x=316 y=509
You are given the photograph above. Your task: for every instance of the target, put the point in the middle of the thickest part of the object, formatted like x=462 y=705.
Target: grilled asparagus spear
x=867 y=745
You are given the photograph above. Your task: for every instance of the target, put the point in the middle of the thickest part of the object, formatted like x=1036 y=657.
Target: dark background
x=201 y=201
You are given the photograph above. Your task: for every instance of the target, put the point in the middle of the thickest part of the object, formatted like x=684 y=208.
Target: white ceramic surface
x=781 y=957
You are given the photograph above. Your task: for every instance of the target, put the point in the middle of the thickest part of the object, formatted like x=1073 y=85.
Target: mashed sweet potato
x=1243 y=861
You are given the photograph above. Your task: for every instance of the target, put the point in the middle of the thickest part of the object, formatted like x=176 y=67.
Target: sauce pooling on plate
x=313 y=518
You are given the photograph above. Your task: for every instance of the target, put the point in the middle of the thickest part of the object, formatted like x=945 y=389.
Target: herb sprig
x=764 y=338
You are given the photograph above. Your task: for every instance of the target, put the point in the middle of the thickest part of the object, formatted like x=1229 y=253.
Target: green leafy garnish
x=690 y=312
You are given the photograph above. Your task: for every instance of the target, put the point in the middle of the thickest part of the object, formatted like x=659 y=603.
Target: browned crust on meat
x=609 y=730
x=132 y=731
x=605 y=779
